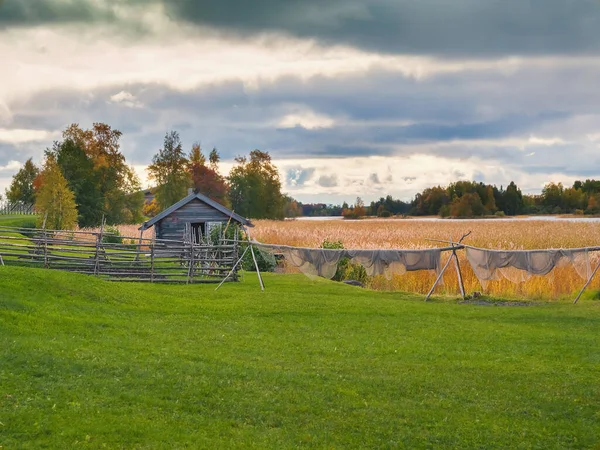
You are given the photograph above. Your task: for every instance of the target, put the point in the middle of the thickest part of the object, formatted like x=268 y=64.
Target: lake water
x=437 y=219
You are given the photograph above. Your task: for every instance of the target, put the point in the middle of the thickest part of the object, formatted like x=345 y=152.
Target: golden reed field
x=412 y=234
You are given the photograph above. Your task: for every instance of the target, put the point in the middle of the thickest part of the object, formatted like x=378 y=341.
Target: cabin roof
x=185 y=201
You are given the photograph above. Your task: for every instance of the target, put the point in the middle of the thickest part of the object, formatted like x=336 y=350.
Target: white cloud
x=20 y=136
x=306 y=119
x=11 y=166
x=545 y=141
x=127 y=99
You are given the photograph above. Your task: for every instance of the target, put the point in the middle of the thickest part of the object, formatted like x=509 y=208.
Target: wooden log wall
x=118 y=258
x=173 y=226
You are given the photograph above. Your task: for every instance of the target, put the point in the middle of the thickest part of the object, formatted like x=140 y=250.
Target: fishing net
x=324 y=262
x=390 y=262
x=520 y=265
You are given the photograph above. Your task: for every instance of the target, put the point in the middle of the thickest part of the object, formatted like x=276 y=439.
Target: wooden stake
x=458 y=273
x=262 y=284
x=233 y=268
x=139 y=249
x=439 y=277
x=191 y=263
x=588 y=283
x=98 y=242
x=45 y=242
x=152 y=245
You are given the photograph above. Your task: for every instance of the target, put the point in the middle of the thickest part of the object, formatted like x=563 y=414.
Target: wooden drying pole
x=260 y=279
x=587 y=283
x=454 y=256
x=232 y=269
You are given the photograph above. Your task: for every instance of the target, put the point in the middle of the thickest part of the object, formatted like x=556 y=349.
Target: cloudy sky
x=350 y=97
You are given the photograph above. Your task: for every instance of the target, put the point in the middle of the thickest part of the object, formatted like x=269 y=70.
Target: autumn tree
x=21 y=188
x=291 y=208
x=169 y=170
x=255 y=187
x=206 y=179
x=356 y=212
x=78 y=169
x=114 y=181
x=55 y=202
x=468 y=205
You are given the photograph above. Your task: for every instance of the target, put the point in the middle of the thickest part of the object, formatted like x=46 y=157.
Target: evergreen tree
x=169 y=170
x=21 y=188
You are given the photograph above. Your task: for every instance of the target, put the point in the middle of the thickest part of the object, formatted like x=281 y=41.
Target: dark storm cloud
x=476 y=28
x=460 y=27
x=34 y=12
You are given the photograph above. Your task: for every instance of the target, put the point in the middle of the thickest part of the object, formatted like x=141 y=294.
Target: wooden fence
x=8 y=208
x=119 y=258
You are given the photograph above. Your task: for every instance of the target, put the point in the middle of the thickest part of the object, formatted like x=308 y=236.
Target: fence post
x=98 y=242
x=152 y=245
x=191 y=263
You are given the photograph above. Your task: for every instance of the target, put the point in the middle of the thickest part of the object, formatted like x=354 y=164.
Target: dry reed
x=413 y=234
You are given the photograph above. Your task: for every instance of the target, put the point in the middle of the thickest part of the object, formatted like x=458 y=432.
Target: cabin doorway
x=198 y=232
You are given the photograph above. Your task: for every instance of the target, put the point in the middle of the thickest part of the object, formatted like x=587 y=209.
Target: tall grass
x=413 y=234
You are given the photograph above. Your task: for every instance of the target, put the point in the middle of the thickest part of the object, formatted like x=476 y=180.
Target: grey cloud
x=378 y=113
x=475 y=28
x=34 y=12
x=458 y=28
x=374 y=178
x=298 y=176
x=328 y=181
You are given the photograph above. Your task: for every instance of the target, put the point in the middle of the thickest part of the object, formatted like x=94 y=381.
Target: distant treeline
x=472 y=199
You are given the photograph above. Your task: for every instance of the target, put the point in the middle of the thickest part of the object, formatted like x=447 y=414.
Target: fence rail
x=7 y=208
x=119 y=258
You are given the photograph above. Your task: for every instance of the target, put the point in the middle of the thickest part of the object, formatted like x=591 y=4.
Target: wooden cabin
x=195 y=213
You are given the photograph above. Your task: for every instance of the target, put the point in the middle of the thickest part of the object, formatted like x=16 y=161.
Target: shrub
x=346 y=270
x=500 y=214
x=266 y=261
x=112 y=235
x=444 y=211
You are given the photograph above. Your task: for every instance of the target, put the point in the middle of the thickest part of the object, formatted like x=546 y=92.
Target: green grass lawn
x=308 y=363
x=17 y=220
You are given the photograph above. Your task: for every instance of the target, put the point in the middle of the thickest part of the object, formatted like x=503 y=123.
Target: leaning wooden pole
x=260 y=279
x=455 y=257
x=587 y=283
x=439 y=277
x=461 y=285
x=233 y=268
